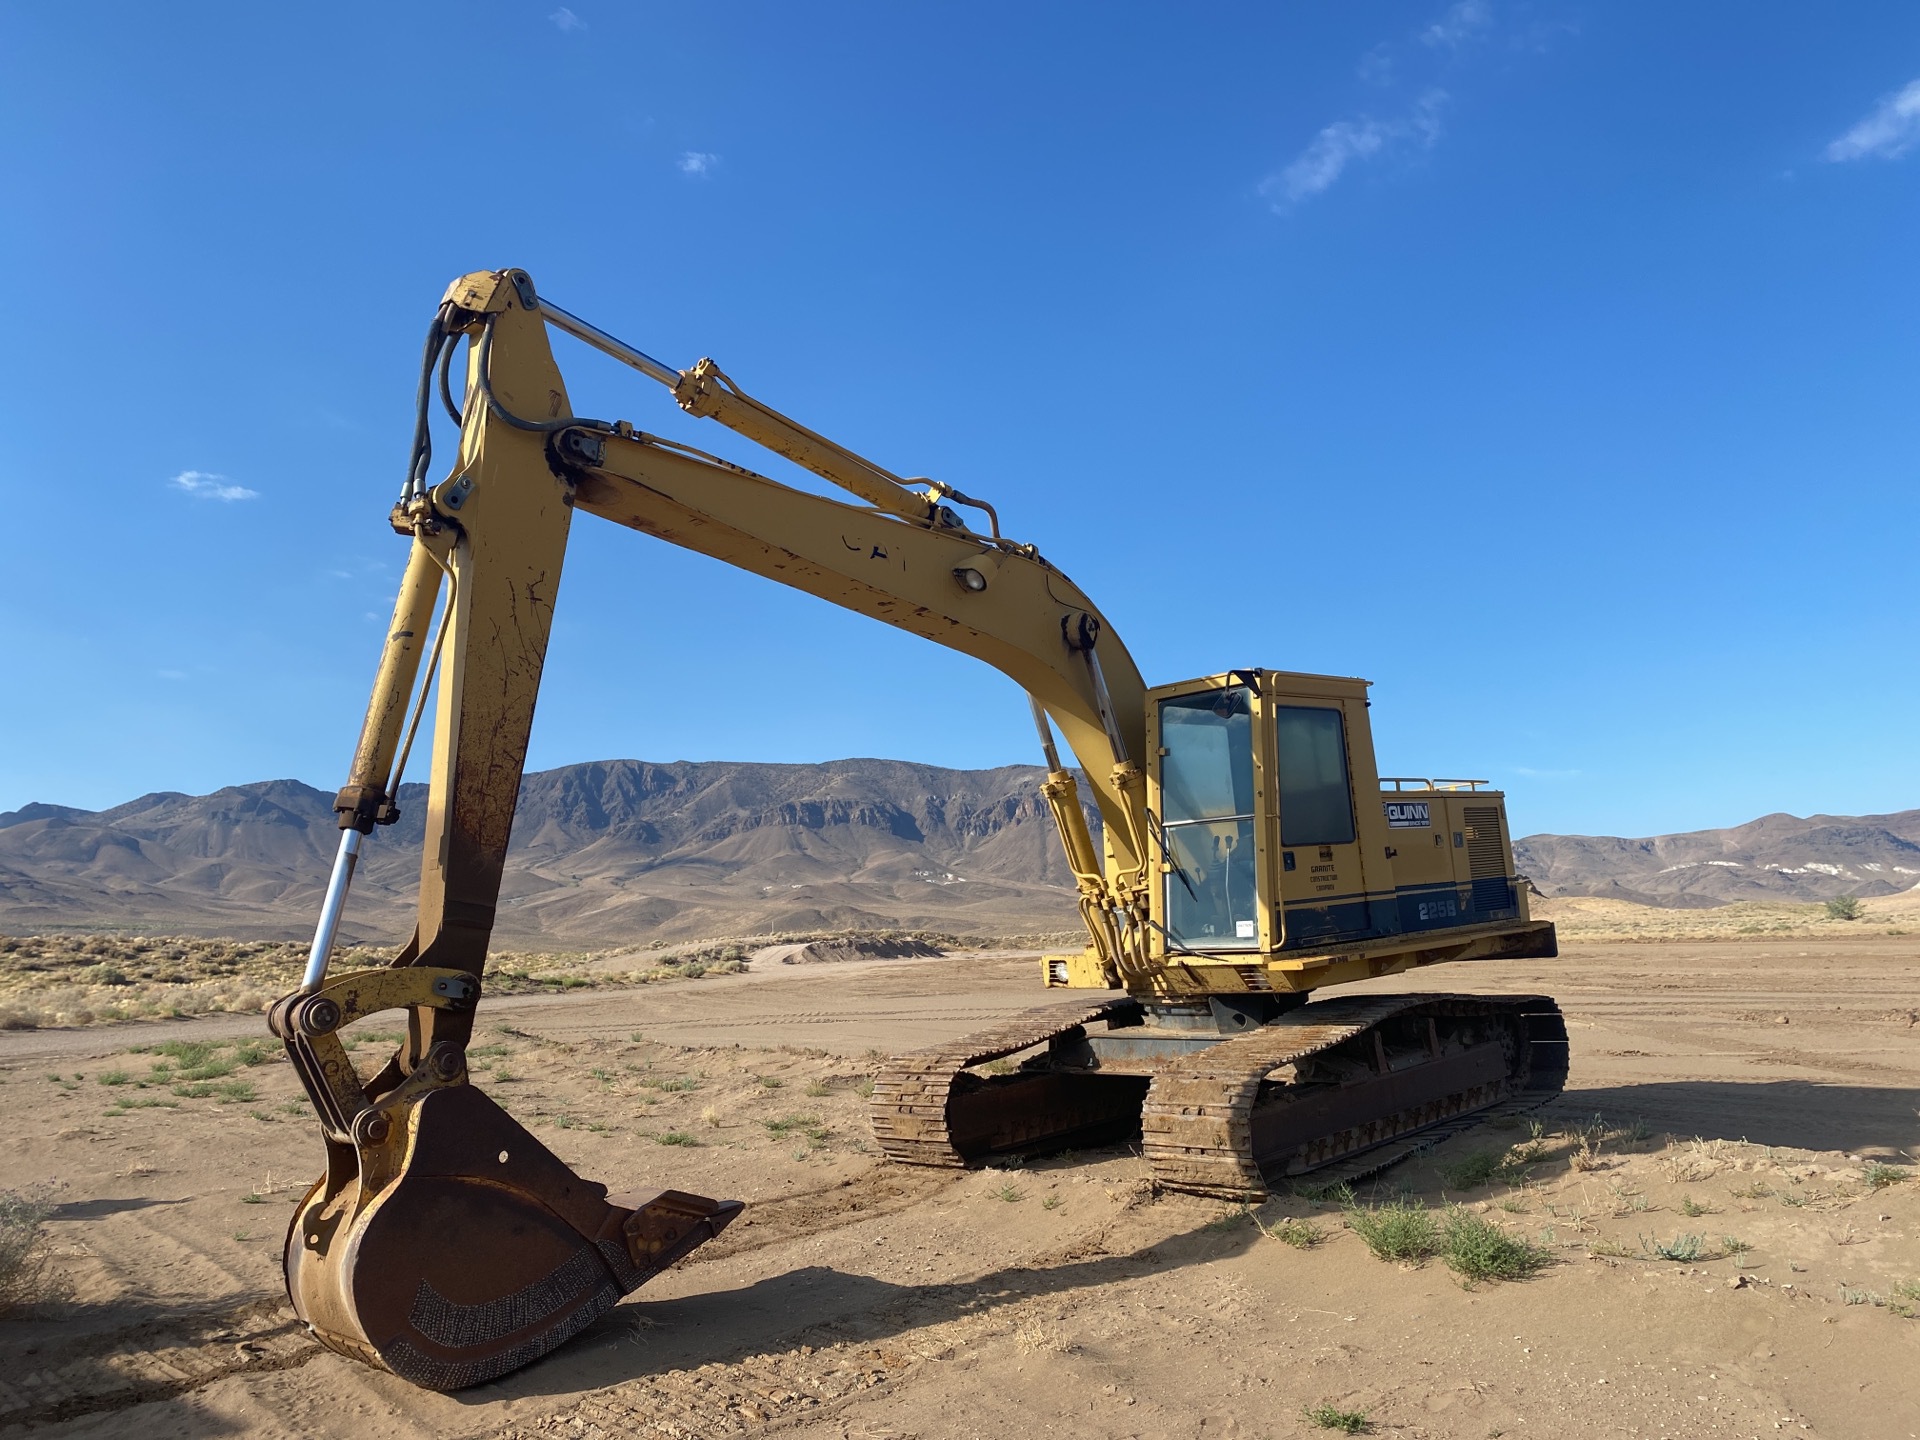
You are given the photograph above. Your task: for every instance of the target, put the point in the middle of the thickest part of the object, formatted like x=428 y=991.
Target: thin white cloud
x=1532 y=774
x=1463 y=20
x=171 y=674
x=697 y=162
x=567 y=21
x=1322 y=162
x=1376 y=66
x=1888 y=133
x=1345 y=142
x=203 y=486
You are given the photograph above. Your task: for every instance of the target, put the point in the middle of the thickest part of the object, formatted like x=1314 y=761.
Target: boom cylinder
x=705 y=391
x=364 y=801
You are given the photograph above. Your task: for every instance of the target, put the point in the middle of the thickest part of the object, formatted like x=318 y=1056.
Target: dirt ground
x=1748 y=1090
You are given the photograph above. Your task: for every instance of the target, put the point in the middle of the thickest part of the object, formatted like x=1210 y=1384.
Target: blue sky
x=1550 y=364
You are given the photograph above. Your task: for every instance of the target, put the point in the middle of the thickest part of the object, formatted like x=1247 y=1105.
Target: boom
x=497 y=527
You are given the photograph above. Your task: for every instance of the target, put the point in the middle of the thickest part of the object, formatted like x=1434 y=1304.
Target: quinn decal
x=1408 y=814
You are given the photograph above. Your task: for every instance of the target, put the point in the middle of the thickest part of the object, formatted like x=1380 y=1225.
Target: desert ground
x=1724 y=1193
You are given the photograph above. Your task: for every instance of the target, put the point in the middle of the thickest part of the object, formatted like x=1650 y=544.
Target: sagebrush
x=24 y=1275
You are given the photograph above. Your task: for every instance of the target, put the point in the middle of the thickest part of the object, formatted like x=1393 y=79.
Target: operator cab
x=1272 y=833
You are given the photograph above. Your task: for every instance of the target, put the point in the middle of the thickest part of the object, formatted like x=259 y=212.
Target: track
x=1218 y=1122
x=928 y=1110
x=1213 y=1123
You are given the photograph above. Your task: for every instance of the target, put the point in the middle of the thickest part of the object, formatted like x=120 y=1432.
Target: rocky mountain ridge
x=624 y=851
x=1777 y=857
x=613 y=851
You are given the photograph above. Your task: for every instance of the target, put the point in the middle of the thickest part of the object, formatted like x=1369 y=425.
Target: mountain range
x=617 y=851
x=1777 y=857
x=622 y=851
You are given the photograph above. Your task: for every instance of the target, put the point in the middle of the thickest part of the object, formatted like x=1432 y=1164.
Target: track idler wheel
x=449 y=1246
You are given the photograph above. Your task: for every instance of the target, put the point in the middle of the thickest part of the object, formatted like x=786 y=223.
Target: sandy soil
x=857 y=1299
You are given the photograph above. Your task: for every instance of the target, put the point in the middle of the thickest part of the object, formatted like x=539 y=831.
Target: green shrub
x=1399 y=1231
x=1331 y=1417
x=1845 y=907
x=791 y=1122
x=1682 y=1247
x=1470 y=1172
x=1476 y=1249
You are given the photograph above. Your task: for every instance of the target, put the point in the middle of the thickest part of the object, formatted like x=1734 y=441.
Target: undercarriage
x=1228 y=1099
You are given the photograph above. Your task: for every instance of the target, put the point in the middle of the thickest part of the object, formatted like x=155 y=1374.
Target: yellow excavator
x=1248 y=857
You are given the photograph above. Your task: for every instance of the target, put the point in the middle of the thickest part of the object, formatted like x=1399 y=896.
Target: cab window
x=1316 y=802
x=1206 y=799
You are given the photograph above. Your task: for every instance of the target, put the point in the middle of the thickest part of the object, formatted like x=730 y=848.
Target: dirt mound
x=822 y=952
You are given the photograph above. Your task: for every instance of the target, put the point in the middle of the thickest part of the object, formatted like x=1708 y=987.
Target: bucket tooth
x=461 y=1248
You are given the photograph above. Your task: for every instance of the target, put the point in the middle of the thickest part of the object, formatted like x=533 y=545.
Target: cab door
x=1323 y=882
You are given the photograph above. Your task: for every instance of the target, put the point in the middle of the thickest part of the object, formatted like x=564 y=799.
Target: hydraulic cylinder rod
x=367 y=799
x=600 y=340
x=704 y=391
x=331 y=908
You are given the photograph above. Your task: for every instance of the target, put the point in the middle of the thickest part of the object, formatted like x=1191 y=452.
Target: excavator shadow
x=1877 y=1121
x=821 y=1306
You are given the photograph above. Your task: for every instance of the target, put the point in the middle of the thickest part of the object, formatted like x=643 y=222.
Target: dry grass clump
x=1587 y=918
x=1300 y=1234
x=1698 y=1160
x=75 y=980
x=68 y=980
x=1587 y=1141
x=23 y=1257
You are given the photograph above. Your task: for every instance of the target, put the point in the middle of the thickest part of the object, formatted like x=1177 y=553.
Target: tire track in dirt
x=881 y=1191
x=153 y=1360
x=827 y=1364
x=168 y=1358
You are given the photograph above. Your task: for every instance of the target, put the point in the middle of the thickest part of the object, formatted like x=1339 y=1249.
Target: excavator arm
x=413 y=1251
x=495 y=528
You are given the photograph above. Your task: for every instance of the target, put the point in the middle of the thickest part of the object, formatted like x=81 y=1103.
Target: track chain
x=910 y=1093
x=1197 y=1124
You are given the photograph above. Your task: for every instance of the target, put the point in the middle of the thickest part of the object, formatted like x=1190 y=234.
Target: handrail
x=1421 y=782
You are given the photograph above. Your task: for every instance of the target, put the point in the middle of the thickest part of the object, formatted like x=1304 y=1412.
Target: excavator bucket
x=445 y=1243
